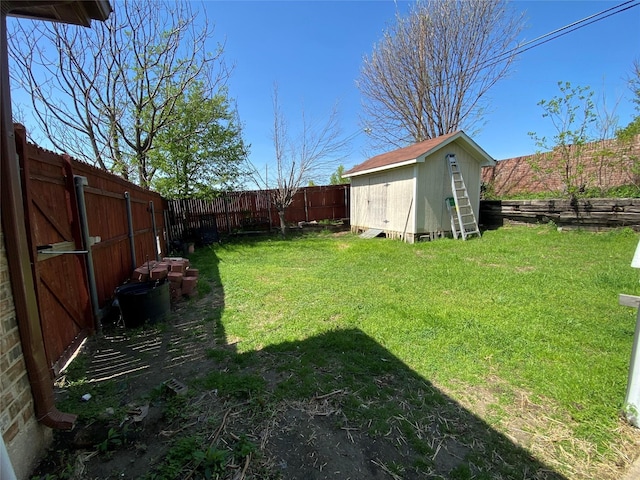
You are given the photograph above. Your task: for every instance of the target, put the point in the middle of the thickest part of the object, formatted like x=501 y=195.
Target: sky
x=314 y=50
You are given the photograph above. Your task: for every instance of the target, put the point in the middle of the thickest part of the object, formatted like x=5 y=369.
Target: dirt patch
x=313 y=445
x=288 y=439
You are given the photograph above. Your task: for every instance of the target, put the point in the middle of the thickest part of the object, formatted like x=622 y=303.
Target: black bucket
x=143 y=302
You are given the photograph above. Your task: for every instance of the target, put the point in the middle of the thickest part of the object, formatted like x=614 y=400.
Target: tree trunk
x=283 y=225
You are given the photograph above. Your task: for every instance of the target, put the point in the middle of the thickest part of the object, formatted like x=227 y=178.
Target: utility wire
x=557 y=33
x=547 y=37
x=572 y=26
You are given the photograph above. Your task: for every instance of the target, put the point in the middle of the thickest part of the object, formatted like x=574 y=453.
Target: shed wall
x=383 y=200
x=434 y=186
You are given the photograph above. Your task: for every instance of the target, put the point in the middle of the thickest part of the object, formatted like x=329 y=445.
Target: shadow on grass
x=336 y=405
x=342 y=406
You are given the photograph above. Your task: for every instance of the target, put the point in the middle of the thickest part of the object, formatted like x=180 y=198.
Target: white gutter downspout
x=6 y=469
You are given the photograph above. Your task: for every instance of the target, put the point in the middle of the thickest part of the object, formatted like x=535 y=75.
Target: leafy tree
x=573 y=116
x=430 y=73
x=627 y=136
x=633 y=128
x=104 y=94
x=201 y=152
x=336 y=177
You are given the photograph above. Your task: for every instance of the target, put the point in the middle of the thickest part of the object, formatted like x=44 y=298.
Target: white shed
x=404 y=192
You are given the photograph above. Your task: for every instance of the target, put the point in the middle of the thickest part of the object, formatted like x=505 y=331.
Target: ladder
x=463 y=220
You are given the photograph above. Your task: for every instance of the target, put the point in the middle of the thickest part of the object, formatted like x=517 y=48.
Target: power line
x=547 y=37
x=577 y=24
x=559 y=32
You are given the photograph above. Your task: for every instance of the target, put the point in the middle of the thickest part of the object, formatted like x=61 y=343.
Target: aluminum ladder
x=463 y=220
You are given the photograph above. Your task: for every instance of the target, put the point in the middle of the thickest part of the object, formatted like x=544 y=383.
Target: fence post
x=132 y=242
x=347 y=208
x=632 y=398
x=80 y=183
x=156 y=240
x=226 y=212
x=268 y=193
x=168 y=226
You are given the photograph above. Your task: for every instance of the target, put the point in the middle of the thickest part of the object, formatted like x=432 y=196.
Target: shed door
x=378 y=192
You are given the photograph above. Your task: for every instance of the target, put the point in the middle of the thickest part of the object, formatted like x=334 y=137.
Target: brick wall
x=24 y=437
x=518 y=175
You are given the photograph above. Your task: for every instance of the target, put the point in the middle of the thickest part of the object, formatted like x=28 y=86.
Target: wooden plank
x=56 y=247
x=371 y=233
x=47 y=179
x=629 y=300
x=67 y=301
x=110 y=242
x=63 y=230
x=102 y=193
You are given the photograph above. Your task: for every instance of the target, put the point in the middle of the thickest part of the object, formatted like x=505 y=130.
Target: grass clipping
x=549 y=435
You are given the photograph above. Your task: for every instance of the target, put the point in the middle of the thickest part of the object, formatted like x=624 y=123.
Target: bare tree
x=316 y=150
x=103 y=94
x=628 y=133
x=431 y=71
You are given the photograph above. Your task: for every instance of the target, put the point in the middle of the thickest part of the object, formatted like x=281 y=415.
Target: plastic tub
x=143 y=302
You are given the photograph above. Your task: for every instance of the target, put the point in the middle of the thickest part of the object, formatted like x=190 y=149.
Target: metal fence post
x=632 y=399
x=80 y=183
x=132 y=241
x=156 y=240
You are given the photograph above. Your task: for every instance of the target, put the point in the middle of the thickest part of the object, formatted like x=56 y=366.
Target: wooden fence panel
x=52 y=220
x=329 y=202
x=251 y=210
x=60 y=279
x=107 y=218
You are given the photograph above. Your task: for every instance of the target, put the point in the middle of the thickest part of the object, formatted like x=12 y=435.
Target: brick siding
x=517 y=175
x=17 y=415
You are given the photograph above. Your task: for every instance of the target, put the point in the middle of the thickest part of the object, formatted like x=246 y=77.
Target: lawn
x=521 y=328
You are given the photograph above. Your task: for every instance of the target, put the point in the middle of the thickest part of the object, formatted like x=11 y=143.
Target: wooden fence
x=202 y=220
x=592 y=214
x=74 y=249
x=121 y=249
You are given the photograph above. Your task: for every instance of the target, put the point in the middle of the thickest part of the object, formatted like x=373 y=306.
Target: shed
x=403 y=192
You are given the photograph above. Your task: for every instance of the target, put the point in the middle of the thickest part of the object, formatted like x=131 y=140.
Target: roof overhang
x=64 y=11
x=405 y=163
x=462 y=138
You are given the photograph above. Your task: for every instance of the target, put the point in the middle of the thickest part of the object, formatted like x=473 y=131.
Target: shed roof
x=417 y=153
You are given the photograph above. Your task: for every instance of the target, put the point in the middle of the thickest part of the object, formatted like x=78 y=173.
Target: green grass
x=535 y=307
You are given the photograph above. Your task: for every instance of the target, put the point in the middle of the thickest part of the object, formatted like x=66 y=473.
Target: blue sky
x=314 y=51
